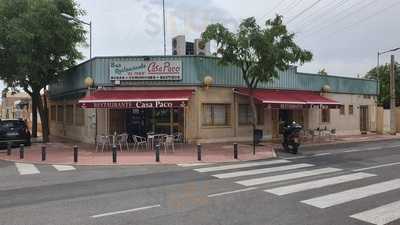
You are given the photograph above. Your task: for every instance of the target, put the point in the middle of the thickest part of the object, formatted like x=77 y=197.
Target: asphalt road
x=351 y=184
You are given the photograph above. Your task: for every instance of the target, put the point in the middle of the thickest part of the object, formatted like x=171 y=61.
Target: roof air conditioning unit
x=179 y=45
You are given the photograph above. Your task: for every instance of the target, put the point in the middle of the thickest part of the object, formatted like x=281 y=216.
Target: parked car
x=14 y=131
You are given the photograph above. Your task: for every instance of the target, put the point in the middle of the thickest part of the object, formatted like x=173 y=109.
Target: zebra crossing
x=284 y=178
x=32 y=169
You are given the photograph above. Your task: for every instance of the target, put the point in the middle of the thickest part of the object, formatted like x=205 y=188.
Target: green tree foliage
x=384 y=83
x=36 y=45
x=260 y=52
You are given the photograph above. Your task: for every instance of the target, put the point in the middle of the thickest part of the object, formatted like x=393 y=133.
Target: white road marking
x=341 y=152
x=322 y=154
x=296 y=157
x=353 y=194
x=26 y=169
x=63 y=168
x=125 y=211
x=261 y=171
x=241 y=165
x=194 y=164
x=271 y=179
x=381 y=215
x=318 y=184
x=375 y=167
x=231 y=192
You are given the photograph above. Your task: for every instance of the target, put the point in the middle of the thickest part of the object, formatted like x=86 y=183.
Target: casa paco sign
x=146 y=70
x=134 y=105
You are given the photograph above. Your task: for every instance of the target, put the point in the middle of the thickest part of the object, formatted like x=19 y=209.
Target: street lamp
x=69 y=17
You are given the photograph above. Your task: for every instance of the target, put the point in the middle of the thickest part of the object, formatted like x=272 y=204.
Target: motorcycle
x=291 y=137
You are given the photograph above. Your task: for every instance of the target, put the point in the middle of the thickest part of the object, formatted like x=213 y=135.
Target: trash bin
x=258 y=135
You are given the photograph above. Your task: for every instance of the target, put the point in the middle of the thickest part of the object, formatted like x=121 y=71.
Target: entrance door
x=275 y=123
x=364 y=118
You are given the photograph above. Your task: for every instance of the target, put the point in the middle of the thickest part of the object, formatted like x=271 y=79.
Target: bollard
x=157 y=153
x=43 y=153
x=235 y=151
x=76 y=148
x=199 y=152
x=21 y=151
x=9 y=145
x=114 y=153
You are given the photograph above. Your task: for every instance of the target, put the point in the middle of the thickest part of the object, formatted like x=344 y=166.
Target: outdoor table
x=151 y=137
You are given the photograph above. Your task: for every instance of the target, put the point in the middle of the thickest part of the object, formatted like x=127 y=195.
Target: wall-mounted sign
x=134 y=105
x=146 y=70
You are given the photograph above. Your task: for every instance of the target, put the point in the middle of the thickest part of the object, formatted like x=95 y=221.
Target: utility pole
x=393 y=127
x=165 y=38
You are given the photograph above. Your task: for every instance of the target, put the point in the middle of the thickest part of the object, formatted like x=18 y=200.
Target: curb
x=274 y=155
x=305 y=146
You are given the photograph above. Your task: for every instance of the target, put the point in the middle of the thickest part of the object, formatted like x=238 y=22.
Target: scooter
x=291 y=137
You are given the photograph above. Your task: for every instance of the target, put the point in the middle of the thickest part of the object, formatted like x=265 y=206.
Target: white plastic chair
x=122 y=140
x=102 y=141
x=139 y=142
x=168 y=141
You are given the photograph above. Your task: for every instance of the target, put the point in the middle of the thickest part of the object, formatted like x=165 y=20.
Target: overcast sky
x=344 y=35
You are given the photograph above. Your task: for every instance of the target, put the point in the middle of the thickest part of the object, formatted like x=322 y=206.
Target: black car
x=14 y=131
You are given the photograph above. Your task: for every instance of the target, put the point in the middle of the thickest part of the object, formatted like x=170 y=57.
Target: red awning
x=289 y=97
x=122 y=99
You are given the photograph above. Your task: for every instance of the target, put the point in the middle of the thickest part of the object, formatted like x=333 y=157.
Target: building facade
x=202 y=100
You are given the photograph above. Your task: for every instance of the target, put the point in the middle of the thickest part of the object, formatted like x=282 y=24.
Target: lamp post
x=69 y=17
x=392 y=91
x=164 y=27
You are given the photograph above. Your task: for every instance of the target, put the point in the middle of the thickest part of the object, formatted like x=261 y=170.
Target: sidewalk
x=61 y=152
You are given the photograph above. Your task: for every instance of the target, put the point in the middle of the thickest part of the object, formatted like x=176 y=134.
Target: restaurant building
x=201 y=99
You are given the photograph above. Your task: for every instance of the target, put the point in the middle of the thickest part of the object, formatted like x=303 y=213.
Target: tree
x=384 y=83
x=322 y=72
x=260 y=52
x=36 y=45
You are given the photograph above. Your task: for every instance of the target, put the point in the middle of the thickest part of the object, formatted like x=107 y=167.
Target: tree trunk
x=254 y=118
x=34 y=117
x=43 y=112
x=42 y=107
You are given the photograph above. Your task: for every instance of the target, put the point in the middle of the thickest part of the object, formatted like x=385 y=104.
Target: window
x=216 y=114
x=351 y=109
x=245 y=116
x=342 y=110
x=60 y=113
x=53 y=111
x=79 y=116
x=69 y=116
x=325 y=115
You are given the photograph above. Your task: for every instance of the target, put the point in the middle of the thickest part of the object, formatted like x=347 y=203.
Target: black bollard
x=157 y=153
x=235 y=151
x=114 y=153
x=76 y=149
x=43 y=153
x=199 y=152
x=9 y=145
x=21 y=151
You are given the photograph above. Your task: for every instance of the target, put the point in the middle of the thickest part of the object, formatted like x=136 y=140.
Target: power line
x=304 y=11
x=273 y=9
x=294 y=5
x=366 y=18
x=325 y=11
x=339 y=19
